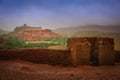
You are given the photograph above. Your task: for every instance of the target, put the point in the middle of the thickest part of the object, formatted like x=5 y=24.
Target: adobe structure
x=91 y=50
x=32 y=34
x=81 y=51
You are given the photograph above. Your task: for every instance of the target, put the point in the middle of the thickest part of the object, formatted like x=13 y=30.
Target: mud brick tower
x=80 y=51
x=91 y=50
x=105 y=51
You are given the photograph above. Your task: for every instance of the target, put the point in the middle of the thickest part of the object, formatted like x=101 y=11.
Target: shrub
x=41 y=45
x=61 y=41
x=16 y=43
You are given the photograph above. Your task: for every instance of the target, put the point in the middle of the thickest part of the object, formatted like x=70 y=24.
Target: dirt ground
x=22 y=70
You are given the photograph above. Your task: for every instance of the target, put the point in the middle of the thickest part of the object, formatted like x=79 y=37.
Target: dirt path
x=22 y=70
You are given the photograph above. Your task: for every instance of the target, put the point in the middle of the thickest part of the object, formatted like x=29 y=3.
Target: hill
x=3 y=32
x=70 y=31
x=29 y=33
x=95 y=34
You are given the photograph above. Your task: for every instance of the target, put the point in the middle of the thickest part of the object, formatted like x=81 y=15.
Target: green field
x=15 y=43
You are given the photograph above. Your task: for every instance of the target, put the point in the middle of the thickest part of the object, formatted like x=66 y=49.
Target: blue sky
x=58 y=13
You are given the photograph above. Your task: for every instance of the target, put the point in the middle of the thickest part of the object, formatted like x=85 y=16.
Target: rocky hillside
x=29 y=33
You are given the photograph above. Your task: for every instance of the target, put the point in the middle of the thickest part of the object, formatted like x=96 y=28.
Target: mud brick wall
x=106 y=51
x=61 y=57
x=34 y=55
x=75 y=41
x=83 y=56
x=8 y=55
x=44 y=56
x=117 y=56
x=91 y=50
x=80 y=50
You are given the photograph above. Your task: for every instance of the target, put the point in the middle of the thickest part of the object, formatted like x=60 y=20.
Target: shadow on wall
x=117 y=56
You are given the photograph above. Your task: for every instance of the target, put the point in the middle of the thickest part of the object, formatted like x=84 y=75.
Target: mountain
x=29 y=33
x=91 y=33
x=69 y=31
x=3 y=32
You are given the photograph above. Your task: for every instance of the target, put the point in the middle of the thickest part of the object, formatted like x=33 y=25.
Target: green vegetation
x=61 y=41
x=11 y=43
x=15 y=43
x=40 y=45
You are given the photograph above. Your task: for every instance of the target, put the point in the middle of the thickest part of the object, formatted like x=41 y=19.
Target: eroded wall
x=44 y=56
x=82 y=51
x=91 y=50
x=106 y=52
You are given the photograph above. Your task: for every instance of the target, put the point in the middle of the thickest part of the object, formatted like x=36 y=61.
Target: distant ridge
x=91 y=33
x=92 y=27
x=3 y=32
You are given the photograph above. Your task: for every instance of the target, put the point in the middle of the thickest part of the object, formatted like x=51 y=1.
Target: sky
x=58 y=13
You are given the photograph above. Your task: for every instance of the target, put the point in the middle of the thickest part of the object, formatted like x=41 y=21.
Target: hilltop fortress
x=26 y=27
x=29 y=33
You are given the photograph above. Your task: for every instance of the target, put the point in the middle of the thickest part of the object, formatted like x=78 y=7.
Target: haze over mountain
x=3 y=32
x=69 y=31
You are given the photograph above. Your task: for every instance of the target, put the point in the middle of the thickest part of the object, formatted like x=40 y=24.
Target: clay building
x=91 y=50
